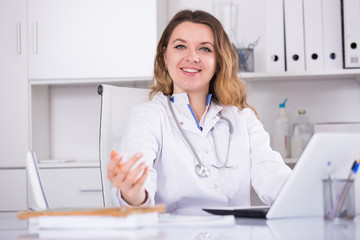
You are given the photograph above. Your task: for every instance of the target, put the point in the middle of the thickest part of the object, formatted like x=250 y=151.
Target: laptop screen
x=35 y=182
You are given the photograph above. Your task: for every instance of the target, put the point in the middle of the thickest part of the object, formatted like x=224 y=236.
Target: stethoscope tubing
x=201 y=169
x=183 y=134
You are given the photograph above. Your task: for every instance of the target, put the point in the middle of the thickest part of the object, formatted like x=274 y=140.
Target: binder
x=351 y=33
x=294 y=35
x=274 y=36
x=332 y=36
x=313 y=36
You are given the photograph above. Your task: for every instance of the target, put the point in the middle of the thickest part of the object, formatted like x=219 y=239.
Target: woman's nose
x=193 y=57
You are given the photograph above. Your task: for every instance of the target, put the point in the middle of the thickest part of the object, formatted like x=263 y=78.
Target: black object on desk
x=257 y=212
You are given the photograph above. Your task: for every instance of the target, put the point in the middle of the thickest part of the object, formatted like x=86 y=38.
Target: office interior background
x=54 y=54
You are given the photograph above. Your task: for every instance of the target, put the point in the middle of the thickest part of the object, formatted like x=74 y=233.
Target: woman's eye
x=180 y=47
x=205 y=49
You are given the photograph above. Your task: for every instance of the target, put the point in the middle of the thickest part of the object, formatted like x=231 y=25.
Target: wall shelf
x=93 y=81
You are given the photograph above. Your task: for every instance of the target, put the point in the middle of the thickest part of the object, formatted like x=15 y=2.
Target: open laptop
x=35 y=183
x=301 y=195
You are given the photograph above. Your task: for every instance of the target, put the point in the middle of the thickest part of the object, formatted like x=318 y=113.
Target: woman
x=201 y=143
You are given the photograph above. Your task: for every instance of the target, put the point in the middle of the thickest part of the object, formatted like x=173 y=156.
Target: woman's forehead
x=192 y=32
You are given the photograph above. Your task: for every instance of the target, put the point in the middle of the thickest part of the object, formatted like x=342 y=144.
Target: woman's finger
x=141 y=180
x=113 y=164
x=139 y=184
x=132 y=177
x=128 y=165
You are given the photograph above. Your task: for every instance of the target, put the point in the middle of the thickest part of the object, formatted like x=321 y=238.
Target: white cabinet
x=91 y=38
x=13 y=189
x=13 y=84
x=74 y=187
x=13 y=104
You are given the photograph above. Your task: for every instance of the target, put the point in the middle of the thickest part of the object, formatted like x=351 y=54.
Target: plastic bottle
x=297 y=143
x=281 y=137
x=304 y=128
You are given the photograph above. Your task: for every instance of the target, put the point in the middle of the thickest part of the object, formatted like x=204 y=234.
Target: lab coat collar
x=183 y=99
x=212 y=117
x=208 y=120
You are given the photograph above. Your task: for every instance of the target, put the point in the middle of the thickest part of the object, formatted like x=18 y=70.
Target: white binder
x=274 y=36
x=313 y=35
x=294 y=35
x=332 y=45
x=351 y=33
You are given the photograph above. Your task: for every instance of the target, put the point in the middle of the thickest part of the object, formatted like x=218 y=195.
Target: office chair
x=116 y=104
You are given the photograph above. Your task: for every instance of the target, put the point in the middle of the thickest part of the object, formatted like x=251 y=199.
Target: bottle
x=281 y=137
x=297 y=143
x=303 y=128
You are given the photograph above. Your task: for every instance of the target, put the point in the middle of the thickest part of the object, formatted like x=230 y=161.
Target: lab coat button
x=214 y=117
x=206 y=150
x=181 y=123
x=215 y=186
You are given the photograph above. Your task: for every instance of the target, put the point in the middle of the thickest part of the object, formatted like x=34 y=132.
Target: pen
x=329 y=170
x=337 y=207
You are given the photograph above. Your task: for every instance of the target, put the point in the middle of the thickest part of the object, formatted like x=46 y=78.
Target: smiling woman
x=197 y=143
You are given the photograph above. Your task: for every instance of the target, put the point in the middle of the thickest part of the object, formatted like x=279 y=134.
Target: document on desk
x=132 y=221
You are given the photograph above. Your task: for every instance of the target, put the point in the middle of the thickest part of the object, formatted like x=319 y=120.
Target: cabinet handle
x=35 y=40
x=91 y=189
x=18 y=37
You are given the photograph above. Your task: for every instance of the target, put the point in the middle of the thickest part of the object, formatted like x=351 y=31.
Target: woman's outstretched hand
x=128 y=180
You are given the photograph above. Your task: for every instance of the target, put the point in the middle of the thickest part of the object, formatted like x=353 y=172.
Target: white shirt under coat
x=173 y=181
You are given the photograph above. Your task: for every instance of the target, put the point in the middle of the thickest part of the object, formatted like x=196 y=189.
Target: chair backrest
x=116 y=104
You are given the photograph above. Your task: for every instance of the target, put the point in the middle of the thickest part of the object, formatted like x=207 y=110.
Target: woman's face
x=190 y=57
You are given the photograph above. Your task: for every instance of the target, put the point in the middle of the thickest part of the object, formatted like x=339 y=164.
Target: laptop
x=35 y=183
x=301 y=195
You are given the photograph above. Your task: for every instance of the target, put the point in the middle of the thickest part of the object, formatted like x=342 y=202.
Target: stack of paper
x=128 y=222
x=131 y=226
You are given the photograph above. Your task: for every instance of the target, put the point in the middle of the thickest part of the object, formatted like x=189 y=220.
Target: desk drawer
x=72 y=187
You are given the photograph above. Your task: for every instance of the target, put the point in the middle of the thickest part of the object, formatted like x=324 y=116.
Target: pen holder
x=246 y=59
x=339 y=199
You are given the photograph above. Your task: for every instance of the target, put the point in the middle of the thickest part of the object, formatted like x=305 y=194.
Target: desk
x=302 y=228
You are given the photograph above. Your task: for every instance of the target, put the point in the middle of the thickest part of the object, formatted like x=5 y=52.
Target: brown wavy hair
x=225 y=86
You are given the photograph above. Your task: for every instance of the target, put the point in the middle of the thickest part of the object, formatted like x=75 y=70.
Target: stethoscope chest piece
x=202 y=170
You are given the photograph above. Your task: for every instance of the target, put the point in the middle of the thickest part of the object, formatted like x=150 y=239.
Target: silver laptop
x=301 y=195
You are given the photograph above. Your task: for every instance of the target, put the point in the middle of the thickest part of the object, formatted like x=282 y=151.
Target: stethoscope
x=201 y=169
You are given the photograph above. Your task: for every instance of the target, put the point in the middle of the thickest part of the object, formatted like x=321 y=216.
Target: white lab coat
x=173 y=181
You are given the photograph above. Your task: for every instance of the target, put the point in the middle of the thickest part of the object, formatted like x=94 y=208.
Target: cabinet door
x=91 y=38
x=13 y=84
x=72 y=187
x=13 y=189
